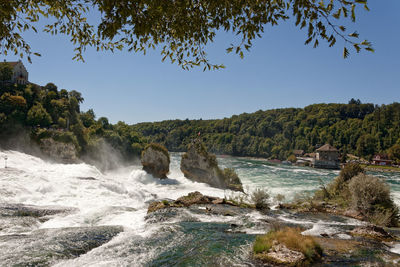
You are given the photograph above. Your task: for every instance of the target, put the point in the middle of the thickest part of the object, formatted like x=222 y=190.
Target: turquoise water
x=181 y=237
x=285 y=179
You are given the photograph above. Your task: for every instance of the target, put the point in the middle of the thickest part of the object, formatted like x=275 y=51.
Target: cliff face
x=155 y=161
x=59 y=151
x=200 y=166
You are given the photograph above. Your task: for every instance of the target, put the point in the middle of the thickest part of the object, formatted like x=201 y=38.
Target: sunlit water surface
x=121 y=197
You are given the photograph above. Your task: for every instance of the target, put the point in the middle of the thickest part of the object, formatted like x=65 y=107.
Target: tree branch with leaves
x=181 y=29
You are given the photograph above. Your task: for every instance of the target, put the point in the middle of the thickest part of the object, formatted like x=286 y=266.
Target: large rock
x=59 y=151
x=193 y=198
x=155 y=160
x=280 y=254
x=200 y=166
x=47 y=247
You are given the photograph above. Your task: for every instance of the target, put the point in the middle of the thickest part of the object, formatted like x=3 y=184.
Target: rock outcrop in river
x=59 y=151
x=200 y=166
x=155 y=160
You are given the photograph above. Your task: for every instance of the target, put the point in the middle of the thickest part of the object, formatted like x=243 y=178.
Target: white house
x=20 y=74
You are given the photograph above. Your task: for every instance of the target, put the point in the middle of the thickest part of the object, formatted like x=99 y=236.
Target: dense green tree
x=88 y=118
x=38 y=116
x=6 y=72
x=10 y=103
x=76 y=95
x=51 y=87
x=394 y=152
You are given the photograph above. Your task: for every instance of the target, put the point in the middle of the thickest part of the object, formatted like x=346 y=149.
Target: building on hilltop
x=20 y=74
x=326 y=157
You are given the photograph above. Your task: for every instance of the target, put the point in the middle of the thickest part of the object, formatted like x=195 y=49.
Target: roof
x=327 y=147
x=12 y=63
x=381 y=156
x=298 y=151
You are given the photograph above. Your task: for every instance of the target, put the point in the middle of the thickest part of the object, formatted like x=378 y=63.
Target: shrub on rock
x=200 y=166
x=371 y=196
x=361 y=196
x=260 y=198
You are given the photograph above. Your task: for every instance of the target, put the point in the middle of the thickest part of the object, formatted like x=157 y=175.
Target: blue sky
x=279 y=71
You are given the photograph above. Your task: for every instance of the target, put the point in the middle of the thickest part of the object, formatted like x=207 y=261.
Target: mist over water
x=120 y=197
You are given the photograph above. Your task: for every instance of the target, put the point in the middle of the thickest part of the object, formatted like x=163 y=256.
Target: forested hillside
x=361 y=129
x=33 y=112
x=45 y=111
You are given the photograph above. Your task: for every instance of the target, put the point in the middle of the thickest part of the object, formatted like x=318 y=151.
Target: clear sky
x=280 y=71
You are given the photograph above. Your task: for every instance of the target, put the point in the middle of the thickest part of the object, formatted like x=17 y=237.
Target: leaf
x=345 y=53
x=353 y=13
x=354 y=34
x=337 y=14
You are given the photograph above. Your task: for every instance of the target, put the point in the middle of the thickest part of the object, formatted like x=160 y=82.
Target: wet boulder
x=200 y=166
x=193 y=198
x=372 y=231
x=22 y=210
x=46 y=247
x=155 y=160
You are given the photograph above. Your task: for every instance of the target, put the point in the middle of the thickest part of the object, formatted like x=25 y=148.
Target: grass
x=292 y=239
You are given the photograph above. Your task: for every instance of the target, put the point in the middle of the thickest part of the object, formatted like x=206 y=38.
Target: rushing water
x=121 y=197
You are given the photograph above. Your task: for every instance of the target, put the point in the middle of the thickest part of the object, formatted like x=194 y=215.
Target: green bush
x=292 y=158
x=260 y=198
x=371 y=196
x=60 y=136
x=230 y=176
x=350 y=170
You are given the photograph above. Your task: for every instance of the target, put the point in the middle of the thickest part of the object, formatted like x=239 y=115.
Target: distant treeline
x=360 y=129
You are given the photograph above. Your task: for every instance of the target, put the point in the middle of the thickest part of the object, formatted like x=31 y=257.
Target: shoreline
x=378 y=169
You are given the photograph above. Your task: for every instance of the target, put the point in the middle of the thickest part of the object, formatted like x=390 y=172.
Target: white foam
x=396 y=248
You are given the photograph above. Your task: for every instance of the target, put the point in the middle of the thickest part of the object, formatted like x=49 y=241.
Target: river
x=119 y=198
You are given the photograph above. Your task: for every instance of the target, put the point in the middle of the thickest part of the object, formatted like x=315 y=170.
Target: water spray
x=5 y=161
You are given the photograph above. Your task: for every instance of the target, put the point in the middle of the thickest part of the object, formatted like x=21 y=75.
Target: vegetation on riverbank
x=32 y=112
x=361 y=129
x=354 y=194
x=356 y=128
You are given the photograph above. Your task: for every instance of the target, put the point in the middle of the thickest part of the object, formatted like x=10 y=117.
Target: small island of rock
x=200 y=166
x=155 y=160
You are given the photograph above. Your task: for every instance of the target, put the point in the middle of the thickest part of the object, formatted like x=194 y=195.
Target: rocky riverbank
x=351 y=244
